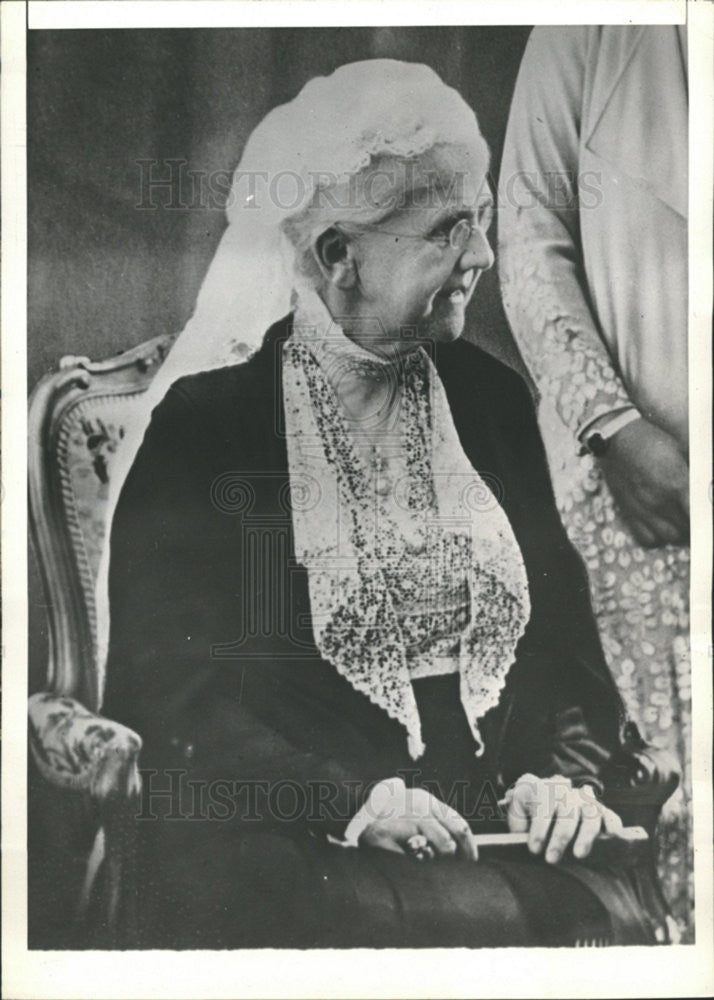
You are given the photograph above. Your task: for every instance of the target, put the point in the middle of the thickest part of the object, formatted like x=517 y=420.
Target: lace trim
x=351 y=535
x=575 y=374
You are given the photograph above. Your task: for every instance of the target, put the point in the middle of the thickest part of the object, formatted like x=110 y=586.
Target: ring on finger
x=419 y=847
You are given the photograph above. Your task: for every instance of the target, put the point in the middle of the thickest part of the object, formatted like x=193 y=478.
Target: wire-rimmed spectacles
x=462 y=232
x=457 y=237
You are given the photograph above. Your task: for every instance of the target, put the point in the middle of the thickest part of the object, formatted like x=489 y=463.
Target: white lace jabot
x=412 y=564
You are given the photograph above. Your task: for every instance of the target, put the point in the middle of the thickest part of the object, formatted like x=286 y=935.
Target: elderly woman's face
x=416 y=274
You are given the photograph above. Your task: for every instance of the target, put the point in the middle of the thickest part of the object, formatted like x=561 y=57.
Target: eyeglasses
x=462 y=232
x=457 y=237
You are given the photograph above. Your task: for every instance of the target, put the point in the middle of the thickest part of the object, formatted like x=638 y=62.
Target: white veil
x=295 y=161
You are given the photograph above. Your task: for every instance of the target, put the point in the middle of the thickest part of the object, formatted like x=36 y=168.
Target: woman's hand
x=648 y=477
x=555 y=815
x=414 y=812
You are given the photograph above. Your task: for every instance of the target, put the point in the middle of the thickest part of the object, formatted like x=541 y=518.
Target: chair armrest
x=79 y=750
x=76 y=749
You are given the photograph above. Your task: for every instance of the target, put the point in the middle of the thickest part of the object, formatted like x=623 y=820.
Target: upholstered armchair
x=84 y=779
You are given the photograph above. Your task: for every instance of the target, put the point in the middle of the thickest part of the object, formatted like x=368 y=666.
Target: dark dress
x=257 y=753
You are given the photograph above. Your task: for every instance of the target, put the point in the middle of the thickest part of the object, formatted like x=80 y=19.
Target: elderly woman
x=345 y=617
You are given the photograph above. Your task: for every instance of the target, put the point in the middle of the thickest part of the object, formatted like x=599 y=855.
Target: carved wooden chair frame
x=105 y=767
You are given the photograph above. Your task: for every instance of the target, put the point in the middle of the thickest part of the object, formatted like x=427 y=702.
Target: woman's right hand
x=648 y=477
x=412 y=812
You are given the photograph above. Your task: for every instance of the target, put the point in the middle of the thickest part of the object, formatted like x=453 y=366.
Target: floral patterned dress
x=594 y=282
x=641 y=603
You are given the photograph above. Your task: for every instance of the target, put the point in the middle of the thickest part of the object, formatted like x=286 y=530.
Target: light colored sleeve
x=541 y=266
x=610 y=423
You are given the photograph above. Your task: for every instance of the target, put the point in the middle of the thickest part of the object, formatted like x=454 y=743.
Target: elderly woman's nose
x=478 y=253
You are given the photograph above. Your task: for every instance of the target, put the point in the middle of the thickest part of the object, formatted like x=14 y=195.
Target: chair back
x=77 y=418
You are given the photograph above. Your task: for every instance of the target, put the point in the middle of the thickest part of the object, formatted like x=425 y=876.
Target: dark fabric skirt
x=235 y=889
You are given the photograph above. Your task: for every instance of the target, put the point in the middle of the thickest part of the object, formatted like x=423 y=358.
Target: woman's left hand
x=555 y=815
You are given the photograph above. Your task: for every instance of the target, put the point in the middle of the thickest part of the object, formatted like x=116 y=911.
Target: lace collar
x=341 y=539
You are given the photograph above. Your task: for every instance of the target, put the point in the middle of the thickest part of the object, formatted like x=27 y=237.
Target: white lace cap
x=300 y=153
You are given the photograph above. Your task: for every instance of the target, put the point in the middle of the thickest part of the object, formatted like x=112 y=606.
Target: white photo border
x=676 y=971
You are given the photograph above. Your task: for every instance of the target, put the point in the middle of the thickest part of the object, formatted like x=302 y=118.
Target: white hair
x=306 y=166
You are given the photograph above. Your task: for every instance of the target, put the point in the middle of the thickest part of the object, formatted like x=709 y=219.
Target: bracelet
x=597 y=442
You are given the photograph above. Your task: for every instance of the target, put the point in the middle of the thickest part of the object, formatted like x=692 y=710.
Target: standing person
x=593 y=264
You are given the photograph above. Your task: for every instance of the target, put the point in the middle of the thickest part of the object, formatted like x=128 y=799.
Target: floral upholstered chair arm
x=74 y=748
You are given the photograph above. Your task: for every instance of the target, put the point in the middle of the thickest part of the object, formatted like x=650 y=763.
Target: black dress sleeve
x=173 y=583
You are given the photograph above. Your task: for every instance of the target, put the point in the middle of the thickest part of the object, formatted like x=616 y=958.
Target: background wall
x=106 y=273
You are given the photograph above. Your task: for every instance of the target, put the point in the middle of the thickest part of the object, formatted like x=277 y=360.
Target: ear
x=334 y=253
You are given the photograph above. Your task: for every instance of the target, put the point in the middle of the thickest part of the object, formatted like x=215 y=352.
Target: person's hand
x=555 y=815
x=414 y=812
x=648 y=477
